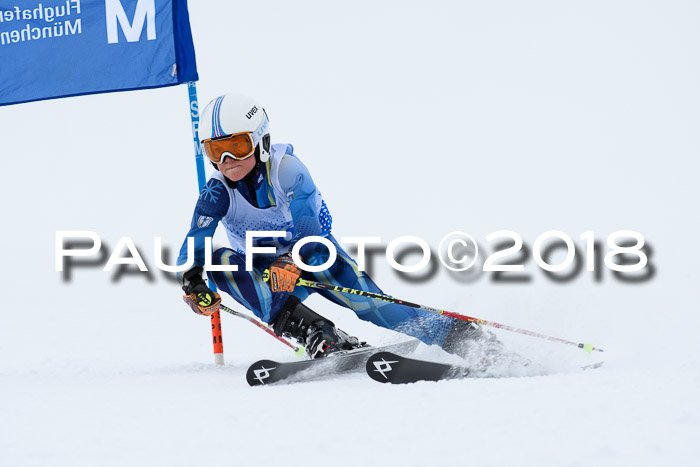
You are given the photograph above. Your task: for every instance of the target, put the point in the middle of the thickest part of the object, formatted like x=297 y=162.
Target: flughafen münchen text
x=58 y=20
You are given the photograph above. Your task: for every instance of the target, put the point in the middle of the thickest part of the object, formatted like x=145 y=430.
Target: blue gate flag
x=61 y=48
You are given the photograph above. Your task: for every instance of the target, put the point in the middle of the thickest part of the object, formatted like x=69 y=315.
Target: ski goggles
x=239 y=146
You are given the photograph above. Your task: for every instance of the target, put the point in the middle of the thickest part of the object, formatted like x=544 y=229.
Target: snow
x=196 y=413
x=525 y=117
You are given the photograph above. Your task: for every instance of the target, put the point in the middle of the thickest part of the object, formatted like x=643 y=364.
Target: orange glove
x=284 y=273
x=200 y=298
x=203 y=303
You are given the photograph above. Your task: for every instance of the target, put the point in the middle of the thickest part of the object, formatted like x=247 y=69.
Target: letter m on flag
x=145 y=13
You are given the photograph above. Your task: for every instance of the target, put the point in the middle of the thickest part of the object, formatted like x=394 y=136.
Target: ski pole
x=319 y=285
x=297 y=350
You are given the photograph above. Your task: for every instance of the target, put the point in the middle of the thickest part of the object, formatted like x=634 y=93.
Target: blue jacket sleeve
x=212 y=205
x=296 y=181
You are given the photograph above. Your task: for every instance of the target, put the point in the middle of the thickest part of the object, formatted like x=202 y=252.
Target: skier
x=259 y=186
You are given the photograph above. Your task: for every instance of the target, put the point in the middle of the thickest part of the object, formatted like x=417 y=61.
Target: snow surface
x=414 y=118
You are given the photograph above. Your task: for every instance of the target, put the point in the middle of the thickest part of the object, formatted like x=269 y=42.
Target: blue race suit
x=281 y=195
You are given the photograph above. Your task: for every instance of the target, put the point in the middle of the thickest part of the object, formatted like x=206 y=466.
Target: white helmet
x=232 y=114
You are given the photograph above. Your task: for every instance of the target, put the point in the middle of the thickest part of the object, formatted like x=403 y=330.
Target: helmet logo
x=260 y=131
x=216 y=129
x=252 y=112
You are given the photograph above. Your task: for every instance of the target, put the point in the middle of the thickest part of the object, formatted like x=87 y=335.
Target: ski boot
x=317 y=334
x=463 y=337
x=484 y=352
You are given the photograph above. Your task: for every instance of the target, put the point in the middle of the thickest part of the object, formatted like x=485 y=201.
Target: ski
x=387 y=367
x=266 y=372
x=592 y=366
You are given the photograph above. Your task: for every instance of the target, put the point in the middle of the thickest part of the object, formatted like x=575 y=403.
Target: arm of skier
x=211 y=206
x=301 y=191
x=300 y=188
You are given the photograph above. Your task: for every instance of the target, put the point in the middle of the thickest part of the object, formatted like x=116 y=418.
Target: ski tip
x=387 y=367
x=259 y=372
x=592 y=366
x=379 y=366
